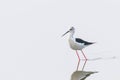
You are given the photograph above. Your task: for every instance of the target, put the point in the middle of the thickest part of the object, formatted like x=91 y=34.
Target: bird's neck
x=71 y=35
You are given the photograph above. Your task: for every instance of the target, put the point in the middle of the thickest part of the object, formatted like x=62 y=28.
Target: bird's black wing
x=82 y=41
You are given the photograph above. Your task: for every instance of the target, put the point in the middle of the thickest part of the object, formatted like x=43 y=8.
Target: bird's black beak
x=65 y=33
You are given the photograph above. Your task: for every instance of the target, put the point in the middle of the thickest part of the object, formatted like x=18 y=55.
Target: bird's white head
x=71 y=30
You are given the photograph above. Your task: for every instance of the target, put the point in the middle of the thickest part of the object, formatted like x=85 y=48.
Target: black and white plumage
x=82 y=41
x=77 y=44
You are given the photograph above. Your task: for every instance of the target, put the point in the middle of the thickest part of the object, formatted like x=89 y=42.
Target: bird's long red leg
x=84 y=65
x=85 y=60
x=78 y=59
x=84 y=55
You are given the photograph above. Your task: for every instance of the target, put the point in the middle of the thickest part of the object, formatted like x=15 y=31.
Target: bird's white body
x=75 y=45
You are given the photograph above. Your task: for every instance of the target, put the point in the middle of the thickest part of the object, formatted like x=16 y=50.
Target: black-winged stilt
x=77 y=44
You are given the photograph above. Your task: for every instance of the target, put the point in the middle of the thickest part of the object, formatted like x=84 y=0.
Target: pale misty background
x=31 y=46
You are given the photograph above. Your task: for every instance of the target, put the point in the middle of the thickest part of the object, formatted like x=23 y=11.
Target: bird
x=77 y=44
